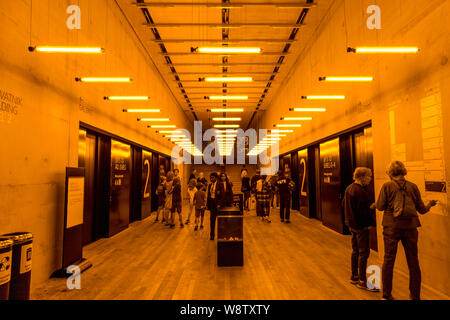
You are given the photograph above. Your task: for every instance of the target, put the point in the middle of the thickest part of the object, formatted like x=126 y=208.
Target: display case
x=230 y=237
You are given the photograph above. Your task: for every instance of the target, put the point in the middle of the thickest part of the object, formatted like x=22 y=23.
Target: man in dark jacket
x=360 y=217
x=401 y=228
x=213 y=197
x=285 y=186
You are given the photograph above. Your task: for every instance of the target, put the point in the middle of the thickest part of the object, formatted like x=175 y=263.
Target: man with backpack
x=401 y=200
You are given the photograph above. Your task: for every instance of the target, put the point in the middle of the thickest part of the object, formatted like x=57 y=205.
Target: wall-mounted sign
x=9 y=106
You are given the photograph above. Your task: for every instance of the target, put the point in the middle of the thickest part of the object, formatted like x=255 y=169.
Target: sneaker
x=282 y=220
x=187 y=222
x=354 y=280
x=362 y=285
x=156 y=220
x=172 y=226
x=163 y=220
x=268 y=220
x=181 y=225
x=288 y=221
x=388 y=298
x=201 y=227
x=196 y=228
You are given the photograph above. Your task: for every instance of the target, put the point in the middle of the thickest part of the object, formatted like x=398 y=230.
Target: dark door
x=363 y=151
x=119 y=211
x=303 y=190
x=146 y=184
x=295 y=178
x=317 y=182
x=136 y=180
x=332 y=215
x=155 y=181
x=87 y=159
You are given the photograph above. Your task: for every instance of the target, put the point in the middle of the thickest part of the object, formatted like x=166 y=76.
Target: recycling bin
x=22 y=249
x=5 y=266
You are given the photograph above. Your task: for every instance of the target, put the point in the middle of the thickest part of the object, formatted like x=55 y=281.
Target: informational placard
x=26 y=258
x=435 y=187
x=73 y=216
x=75 y=201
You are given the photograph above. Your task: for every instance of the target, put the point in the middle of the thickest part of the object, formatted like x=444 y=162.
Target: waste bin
x=19 y=288
x=5 y=266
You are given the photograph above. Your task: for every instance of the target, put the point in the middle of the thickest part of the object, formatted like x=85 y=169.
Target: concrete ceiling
x=169 y=32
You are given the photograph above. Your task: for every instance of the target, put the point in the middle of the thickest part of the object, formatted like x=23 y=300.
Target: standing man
x=401 y=200
x=360 y=218
x=213 y=196
x=285 y=186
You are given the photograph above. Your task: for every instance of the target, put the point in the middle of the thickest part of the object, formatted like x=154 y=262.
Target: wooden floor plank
x=303 y=260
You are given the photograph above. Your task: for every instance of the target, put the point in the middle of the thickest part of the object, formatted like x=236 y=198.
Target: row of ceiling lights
x=270 y=140
x=179 y=140
x=225 y=145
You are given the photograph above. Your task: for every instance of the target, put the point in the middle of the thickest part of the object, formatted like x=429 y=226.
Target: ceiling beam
x=223 y=41
x=221 y=5
x=222 y=25
x=224 y=65
x=204 y=87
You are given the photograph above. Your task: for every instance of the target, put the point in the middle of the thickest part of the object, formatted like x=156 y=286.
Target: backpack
x=404 y=206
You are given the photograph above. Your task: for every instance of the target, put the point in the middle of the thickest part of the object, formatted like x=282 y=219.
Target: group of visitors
x=264 y=188
x=400 y=200
x=202 y=196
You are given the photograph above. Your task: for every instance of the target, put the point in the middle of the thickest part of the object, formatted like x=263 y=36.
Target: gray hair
x=362 y=172
x=396 y=169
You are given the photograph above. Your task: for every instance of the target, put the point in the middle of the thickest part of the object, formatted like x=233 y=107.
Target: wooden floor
x=303 y=260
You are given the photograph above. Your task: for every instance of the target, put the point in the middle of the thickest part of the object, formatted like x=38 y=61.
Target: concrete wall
x=43 y=106
x=407 y=91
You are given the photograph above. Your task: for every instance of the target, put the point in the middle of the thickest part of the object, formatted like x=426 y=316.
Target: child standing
x=191 y=191
x=200 y=205
x=161 y=193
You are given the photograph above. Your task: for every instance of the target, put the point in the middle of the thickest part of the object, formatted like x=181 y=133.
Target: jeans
x=409 y=238
x=360 y=254
x=285 y=206
x=263 y=208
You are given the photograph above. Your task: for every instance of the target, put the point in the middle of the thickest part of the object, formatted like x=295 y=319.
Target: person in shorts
x=200 y=205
